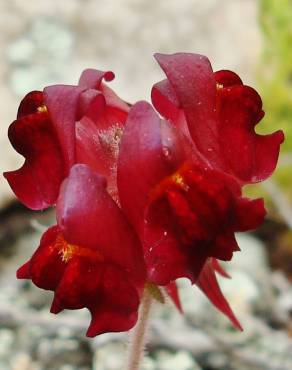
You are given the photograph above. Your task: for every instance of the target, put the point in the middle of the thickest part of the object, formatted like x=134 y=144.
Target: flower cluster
x=143 y=197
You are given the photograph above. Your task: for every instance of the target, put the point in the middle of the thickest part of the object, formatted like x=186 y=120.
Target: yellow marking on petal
x=176 y=179
x=67 y=251
x=42 y=109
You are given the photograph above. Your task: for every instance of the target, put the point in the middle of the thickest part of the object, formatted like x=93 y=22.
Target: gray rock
x=181 y=360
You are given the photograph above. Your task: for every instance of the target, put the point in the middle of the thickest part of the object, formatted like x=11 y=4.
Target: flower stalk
x=138 y=335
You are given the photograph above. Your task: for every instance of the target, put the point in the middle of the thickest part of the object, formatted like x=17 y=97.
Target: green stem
x=138 y=335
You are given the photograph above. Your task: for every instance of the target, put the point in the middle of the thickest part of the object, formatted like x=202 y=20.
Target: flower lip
x=226 y=78
x=81 y=277
x=37 y=182
x=190 y=192
x=216 y=116
x=30 y=104
x=92 y=78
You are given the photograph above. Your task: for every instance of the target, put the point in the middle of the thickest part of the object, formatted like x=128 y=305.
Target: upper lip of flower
x=220 y=121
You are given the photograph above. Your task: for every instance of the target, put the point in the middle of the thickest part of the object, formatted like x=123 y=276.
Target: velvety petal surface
x=62 y=104
x=37 y=182
x=88 y=216
x=165 y=101
x=221 y=116
x=81 y=277
x=249 y=156
x=250 y=214
x=141 y=163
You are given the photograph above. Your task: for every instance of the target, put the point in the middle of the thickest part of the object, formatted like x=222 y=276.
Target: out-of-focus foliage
x=276 y=65
x=275 y=76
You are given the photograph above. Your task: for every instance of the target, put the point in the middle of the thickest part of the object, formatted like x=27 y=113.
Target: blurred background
x=47 y=42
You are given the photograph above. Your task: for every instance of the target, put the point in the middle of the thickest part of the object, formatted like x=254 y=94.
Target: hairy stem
x=138 y=335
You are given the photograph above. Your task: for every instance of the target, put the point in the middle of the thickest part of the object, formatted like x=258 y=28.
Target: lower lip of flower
x=196 y=207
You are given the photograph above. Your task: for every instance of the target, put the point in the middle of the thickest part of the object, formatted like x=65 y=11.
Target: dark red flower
x=178 y=180
x=92 y=258
x=183 y=209
x=188 y=203
x=61 y=126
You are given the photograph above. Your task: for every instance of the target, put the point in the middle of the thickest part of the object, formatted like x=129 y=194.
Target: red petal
x=92 y=78
x=81 y=278
x=97 y=286
x=140 y=153
x=192 y=79
x=166 y=103
x=119 y=309
x=217 y=116
x=91 y=104
x=108 y=320
x=166 y=258
x=172 y=291
x=227 y=78
x=224 y=246
x=46 y=266
x=89 y=217
x=164 y=100
x=218 y=268
x=249 y=214
x=30 y=103
x=37 y=182
x=56 y=306
x=89 y=149
x=23 y=271
x=249 y=156
x=62 y=104
x=207 y=282
x=112 y=99
x=151 y=148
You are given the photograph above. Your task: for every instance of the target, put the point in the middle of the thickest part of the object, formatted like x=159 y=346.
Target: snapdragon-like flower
x=135 y=188
x=84 y=262
x=189 y=202
x=61 y=126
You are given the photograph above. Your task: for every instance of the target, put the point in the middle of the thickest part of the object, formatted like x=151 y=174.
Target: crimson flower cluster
x=143 y=197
